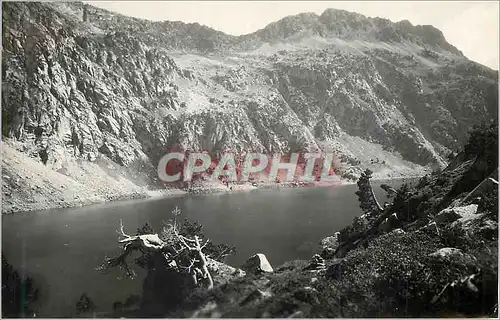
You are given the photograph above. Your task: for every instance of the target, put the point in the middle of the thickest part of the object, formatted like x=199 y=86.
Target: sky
x=471 y=26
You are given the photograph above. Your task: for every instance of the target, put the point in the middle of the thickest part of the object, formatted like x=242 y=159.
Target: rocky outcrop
x=222 y=272
x=449 y=215
x=81 y=84
x=448 y=253
x=317 y=264
x=331 y=241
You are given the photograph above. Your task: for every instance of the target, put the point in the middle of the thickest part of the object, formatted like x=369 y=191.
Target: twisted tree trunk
x=203 y=263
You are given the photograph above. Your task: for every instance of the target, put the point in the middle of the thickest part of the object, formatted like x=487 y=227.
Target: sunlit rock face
x=81 y=83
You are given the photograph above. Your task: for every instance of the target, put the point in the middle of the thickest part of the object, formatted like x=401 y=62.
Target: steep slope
x=81 y=83
x=432 y=251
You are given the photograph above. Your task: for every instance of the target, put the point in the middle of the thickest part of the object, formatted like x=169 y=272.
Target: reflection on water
x=61 y=248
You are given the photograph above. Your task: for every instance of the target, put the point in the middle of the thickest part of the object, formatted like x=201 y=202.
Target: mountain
x=92 y=99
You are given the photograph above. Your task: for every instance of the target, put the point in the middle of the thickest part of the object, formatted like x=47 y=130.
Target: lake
x=60 y=248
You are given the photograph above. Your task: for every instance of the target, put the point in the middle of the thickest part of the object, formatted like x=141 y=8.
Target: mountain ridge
x=326 y=22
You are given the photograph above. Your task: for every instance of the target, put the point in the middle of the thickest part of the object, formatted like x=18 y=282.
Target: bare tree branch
x=121 y=231
x=188 y=268
x=206 y=242
x=173 y=246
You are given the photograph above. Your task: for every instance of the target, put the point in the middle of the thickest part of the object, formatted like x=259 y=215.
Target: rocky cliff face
x=82 y=84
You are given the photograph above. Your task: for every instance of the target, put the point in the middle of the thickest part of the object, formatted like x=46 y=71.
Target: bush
x=483 y=139
x=389 y=277
x=422 y=182
x=455 y=237
x=217 y=252
x=489 y=203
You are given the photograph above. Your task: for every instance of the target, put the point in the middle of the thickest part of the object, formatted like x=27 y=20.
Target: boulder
x=447 y=253
x=468 y=215
x=454 y=255
x=330 y=245
x=317 y=263
x=222 y=272
x=397 y=231
x=257 y=263
x=466 y=210
x=331 y=241
x=449 y=215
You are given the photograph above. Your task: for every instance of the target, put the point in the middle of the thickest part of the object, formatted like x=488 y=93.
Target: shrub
x=489 y=203
x=483 y=139
x=389 y=277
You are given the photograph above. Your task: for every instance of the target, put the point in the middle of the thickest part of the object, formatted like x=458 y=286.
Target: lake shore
x=202 y=189
x=28 y=185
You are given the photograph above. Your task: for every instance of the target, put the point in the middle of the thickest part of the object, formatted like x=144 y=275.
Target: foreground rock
x=223 y=272
x=452 y=214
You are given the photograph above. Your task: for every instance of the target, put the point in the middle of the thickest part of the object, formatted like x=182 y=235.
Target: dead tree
x=181 y=253
x=142 y=243
x=198 y=265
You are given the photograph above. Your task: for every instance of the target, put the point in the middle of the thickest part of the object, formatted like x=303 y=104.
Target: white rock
x=257 y=263
x=447 y=215
x=398 y=231
x=447 y=253
x=331 y=241
x=467 y=215
x=457 y=213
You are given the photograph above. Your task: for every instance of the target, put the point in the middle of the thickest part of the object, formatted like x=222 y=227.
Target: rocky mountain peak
x=331 y=24
x=335 y=23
